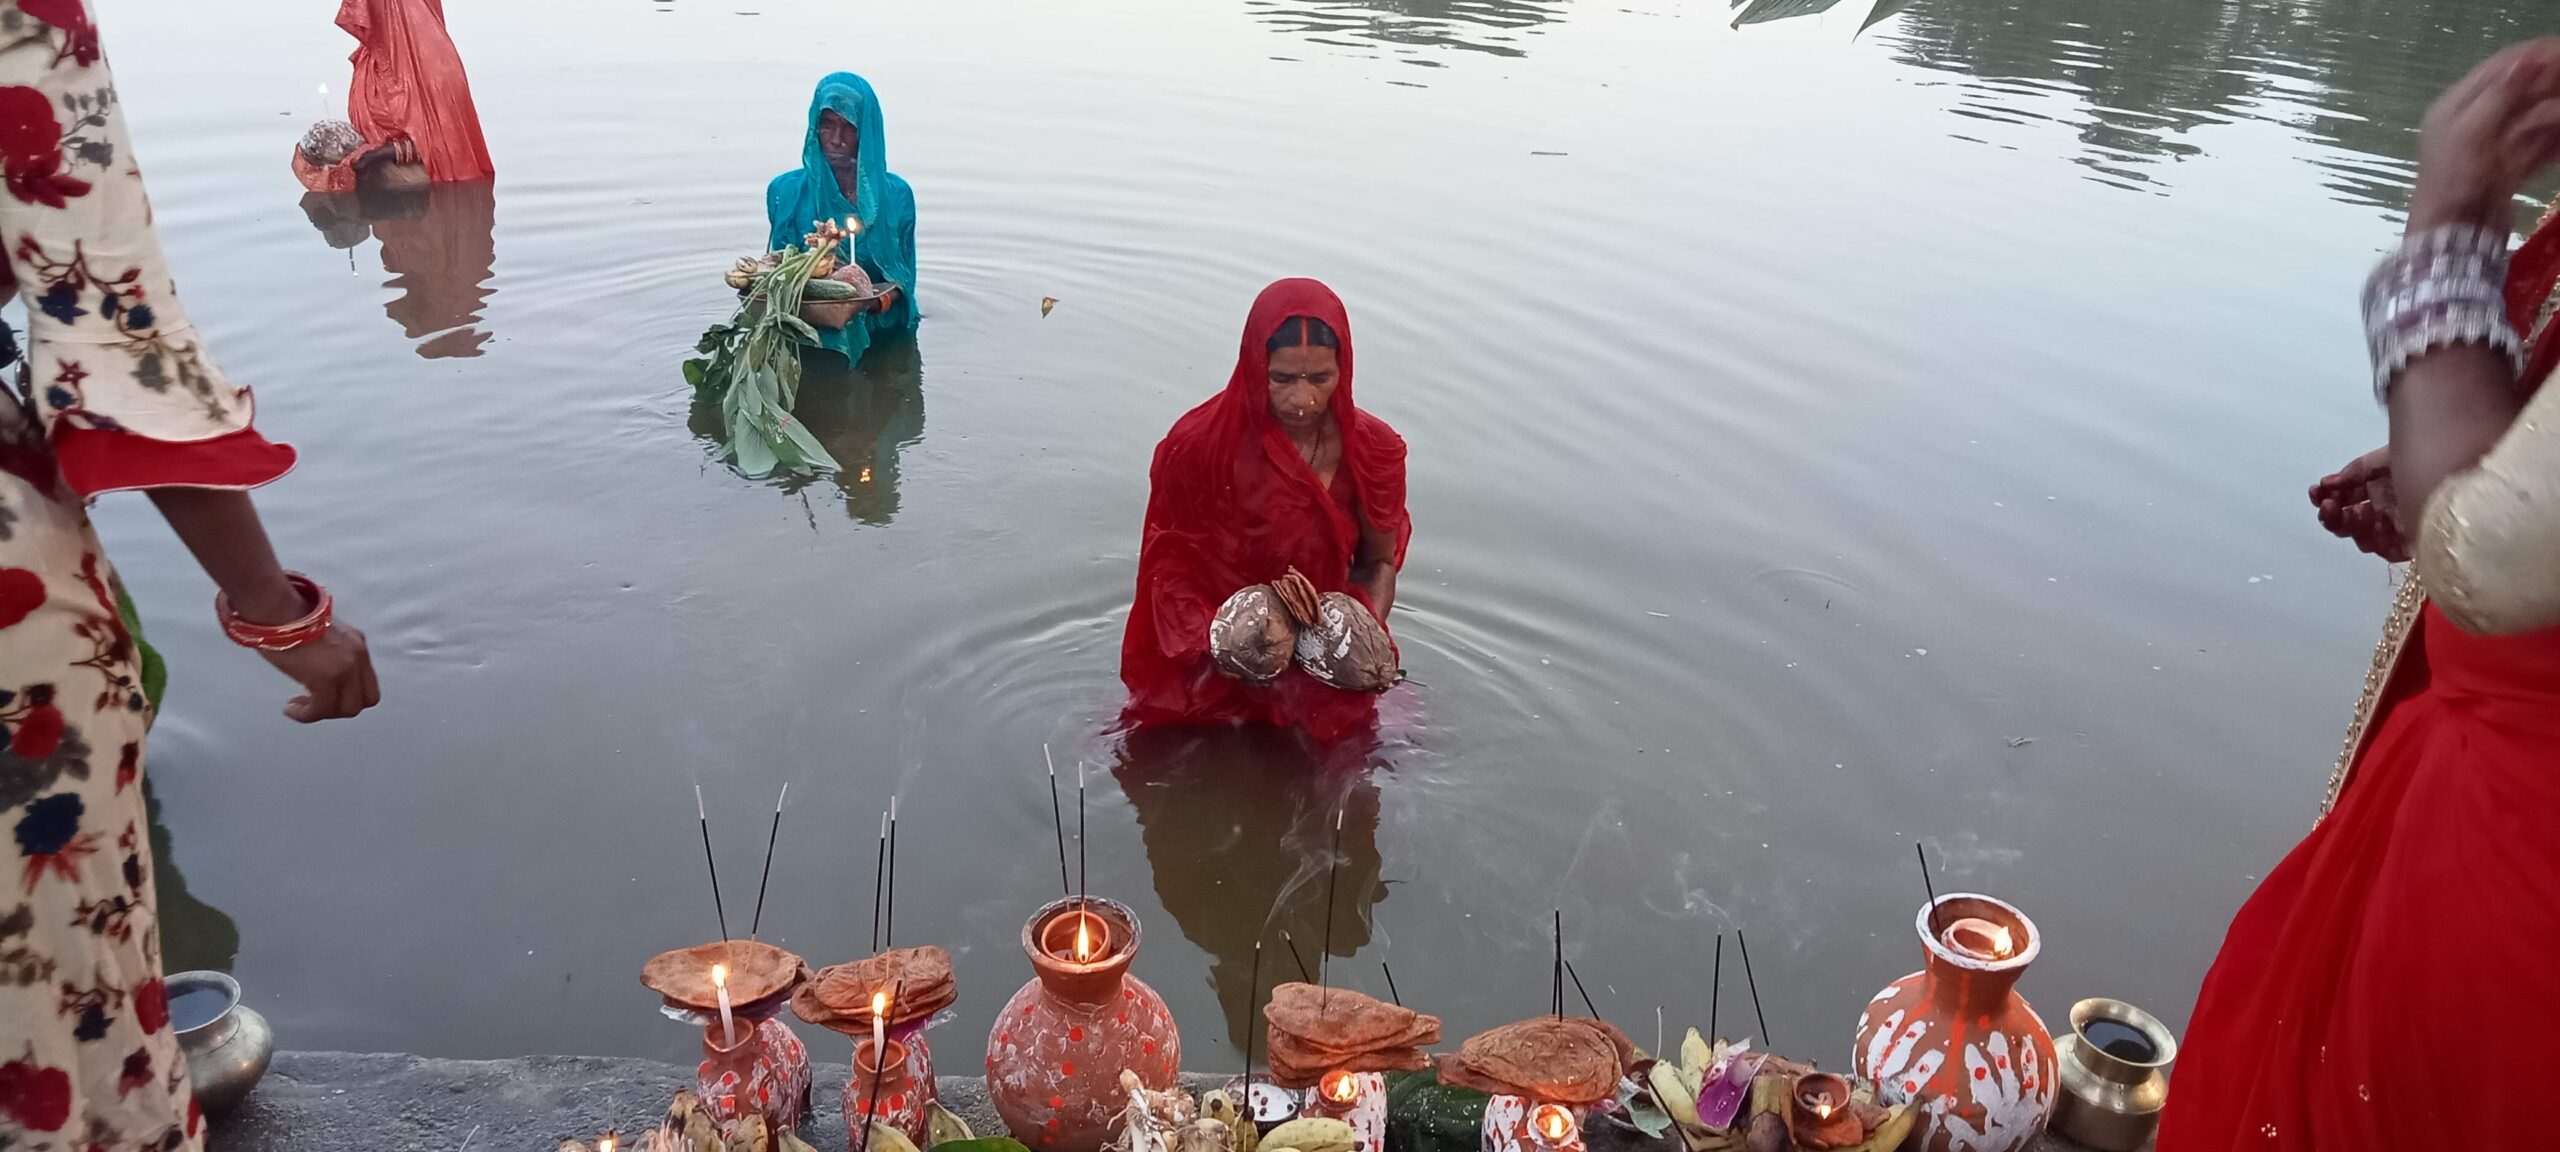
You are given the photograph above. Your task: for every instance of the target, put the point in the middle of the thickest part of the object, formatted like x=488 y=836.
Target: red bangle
x=278 y=637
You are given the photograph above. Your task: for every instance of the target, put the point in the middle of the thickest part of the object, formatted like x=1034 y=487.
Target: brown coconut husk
x=918 y=982
x=1319 y=1030
x=1564 y=1060
x=757 y=972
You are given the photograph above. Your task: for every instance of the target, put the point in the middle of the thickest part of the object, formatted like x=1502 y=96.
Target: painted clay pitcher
x=902 y=1099
x=1956 y=1037
x=1057 y=1049
x=765 y=1073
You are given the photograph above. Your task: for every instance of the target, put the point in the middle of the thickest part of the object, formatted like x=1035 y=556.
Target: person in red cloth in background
x=2382 y=987
x=113 y=392
x=1280 y=470
x=409 y=112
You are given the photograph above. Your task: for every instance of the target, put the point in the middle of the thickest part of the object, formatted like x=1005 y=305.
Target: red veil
x=1232 y=504
x=409 y=81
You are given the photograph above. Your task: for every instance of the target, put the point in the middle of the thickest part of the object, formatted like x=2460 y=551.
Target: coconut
x=1347 y=648
x=1252 y=637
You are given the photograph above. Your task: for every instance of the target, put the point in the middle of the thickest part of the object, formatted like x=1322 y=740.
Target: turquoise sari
x=886 y=248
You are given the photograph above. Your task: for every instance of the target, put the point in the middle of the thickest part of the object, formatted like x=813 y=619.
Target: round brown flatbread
x=918 y=982
x=757 y=972
x=1565 y=1060
x=1318 y=1030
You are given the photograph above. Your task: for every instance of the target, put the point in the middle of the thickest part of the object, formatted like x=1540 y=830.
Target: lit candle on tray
x=728 y=1026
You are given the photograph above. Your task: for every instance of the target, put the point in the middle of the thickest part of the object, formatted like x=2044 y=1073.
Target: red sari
x=2376 y=991
x=408 y=84
x=1232 y=505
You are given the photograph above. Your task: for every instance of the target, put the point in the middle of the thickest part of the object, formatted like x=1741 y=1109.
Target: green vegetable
x=821 y=288
x=1425 y=1115
x=751 y=365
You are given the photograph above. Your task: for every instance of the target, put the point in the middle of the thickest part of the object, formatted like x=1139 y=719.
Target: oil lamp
x=1819 y=1113
x=1355 y=1098
x=1056 y=1052
x=1956 y=1039
x=1553 y=1128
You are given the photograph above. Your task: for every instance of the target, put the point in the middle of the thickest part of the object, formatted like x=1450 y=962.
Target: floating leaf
x=1047 y=303
x=1763 y=11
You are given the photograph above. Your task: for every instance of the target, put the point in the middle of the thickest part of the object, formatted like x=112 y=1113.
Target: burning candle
x=1979 y=938
x=879 y=1021
x=1554 y=1126
x=728 y=1026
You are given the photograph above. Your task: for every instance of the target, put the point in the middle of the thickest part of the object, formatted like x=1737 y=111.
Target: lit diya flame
x=1979 y=938
x=1340 y=1087
x=606 y=1144
x=1554 y=1124
x=1086 y=948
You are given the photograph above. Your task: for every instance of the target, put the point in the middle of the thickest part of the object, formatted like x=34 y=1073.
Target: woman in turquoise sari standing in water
x=844 y=173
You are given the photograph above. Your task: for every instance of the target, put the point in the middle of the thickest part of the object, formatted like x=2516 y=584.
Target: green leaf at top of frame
x=1883 y=11
x=1763 y=11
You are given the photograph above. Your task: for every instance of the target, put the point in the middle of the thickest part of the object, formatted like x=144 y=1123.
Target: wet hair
x=1302 y=332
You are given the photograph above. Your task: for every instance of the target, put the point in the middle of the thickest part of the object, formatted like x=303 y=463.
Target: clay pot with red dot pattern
x=902 y=1099
x=1057 y=1049
x=1957 y=1038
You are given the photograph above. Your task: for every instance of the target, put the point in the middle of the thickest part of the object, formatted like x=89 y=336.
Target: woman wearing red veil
x=2381 y=988
x=409 y=103
x=1280 y=470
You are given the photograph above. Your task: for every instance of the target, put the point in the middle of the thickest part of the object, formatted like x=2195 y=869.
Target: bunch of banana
x=745 y=271
x=1312 y=1134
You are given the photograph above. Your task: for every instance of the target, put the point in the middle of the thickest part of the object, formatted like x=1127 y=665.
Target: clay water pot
x=1057 y=1049
x=903 y=1099
x=1957 y=1038
x=766 y=1073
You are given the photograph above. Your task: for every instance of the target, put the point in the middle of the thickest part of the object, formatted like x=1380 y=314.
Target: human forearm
x=1378 y=581
x=221 y=528
x=2447 y=408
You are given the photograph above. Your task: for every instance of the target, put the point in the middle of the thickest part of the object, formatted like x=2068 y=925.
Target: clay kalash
x=1057 y=1050
x=884 y=1002
x=752 y=1065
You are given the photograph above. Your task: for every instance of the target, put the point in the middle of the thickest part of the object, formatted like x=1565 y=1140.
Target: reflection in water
x=1238 y=825
x=440 y=246
x=863 y=415
x=2133 y=78
x=1493 y=27
x=194 y=935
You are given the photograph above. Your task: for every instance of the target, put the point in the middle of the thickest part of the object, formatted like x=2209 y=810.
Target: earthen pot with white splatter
x=1957 y=1038
x=1057 y=1049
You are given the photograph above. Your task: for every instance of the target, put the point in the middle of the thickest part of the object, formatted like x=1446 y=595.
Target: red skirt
x=2377 y=991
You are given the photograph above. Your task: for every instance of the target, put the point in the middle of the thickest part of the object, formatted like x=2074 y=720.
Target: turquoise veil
x=886 y=248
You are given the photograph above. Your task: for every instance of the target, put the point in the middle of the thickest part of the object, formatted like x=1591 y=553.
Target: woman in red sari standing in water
x=2383 y=988
x=1280 y=470
x=409 y=103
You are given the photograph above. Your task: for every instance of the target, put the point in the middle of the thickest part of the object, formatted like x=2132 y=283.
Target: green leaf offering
x=753 y=370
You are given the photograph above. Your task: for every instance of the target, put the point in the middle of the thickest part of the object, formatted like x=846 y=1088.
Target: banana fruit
x=1312 y=1134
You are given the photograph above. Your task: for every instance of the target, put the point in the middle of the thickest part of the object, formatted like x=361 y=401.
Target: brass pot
x=2111 y=1101
x=227 y=1050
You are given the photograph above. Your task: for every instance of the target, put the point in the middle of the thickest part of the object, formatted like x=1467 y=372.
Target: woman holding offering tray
x=844 y=175
x=1279 y=472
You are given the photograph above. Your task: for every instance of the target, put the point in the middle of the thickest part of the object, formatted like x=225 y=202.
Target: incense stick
x=889 y=913
x=1252 y=993
x=1084 y=877
x=1929 y=886
x=879 y=872
x=770 y=836
x=1715 y=994
x=708 y=861
x=1753 y=983
x=1391 y=983
x=1332 y=879
x=1577 y=987
x=1555 y=1002
x=1304 y=973
x=1066 y=887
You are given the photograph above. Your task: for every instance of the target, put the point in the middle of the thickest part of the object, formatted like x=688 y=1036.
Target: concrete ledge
x=341 y=1102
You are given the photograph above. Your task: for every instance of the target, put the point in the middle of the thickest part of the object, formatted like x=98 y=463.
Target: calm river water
x=1821 y=440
